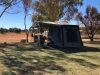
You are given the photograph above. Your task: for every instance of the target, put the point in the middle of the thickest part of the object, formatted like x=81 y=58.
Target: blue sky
x=95 y=3
x=16 y=20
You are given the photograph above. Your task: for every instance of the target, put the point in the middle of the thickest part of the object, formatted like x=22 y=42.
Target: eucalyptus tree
x=91 y=21
x=6 y=4
x=26 y=6
x=52 y=10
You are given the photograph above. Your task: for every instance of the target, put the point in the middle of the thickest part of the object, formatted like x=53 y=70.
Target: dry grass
x=31 y=60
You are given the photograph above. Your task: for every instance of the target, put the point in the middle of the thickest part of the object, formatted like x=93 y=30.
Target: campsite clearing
x=31 y=60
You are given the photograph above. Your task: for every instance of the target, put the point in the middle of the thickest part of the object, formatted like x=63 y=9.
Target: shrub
x=3 y=30
x=23 y=41
x=16 y=30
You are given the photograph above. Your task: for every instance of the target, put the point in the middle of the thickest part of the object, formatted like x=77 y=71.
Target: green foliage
x=23 y=41
x=52 y=10
x=90 y=20
x=5 y=2
x=3 y=30
x=16 y=30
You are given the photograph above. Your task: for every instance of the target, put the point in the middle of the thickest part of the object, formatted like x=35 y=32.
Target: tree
x=27 y=5
x=6 y=4
x=52 y=10
x=90 y=20
x=15 y=30
x=3 y=30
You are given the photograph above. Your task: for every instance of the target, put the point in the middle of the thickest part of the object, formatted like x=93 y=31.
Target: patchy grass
x=30 y=60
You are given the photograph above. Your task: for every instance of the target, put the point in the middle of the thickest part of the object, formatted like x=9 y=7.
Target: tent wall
x=55 y=34
x=72 y=37
x=65 y=36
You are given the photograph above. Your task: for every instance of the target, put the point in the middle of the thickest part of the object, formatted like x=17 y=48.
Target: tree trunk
x=26 y=31
x=92 y=38
x=27 y=34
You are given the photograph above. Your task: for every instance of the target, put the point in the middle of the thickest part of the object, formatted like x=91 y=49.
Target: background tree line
x=15 y=30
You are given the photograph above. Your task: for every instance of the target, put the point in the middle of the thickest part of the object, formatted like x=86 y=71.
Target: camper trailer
x=60 y=35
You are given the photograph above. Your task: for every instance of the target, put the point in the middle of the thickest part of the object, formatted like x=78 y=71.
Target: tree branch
x=8 y=6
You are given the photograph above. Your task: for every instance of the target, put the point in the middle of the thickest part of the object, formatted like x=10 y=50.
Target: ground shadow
x=26 y=66
x=83 y=49
x=83 y=62
x=74 y=49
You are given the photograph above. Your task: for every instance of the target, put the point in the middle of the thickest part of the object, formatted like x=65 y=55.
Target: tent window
x=55 y=34
x=58 y=33
x=72 y=35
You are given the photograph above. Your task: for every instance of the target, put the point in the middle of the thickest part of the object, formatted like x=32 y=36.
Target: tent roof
x=49 y=24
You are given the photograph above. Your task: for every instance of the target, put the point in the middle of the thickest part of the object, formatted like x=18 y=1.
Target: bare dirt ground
x=13 y=37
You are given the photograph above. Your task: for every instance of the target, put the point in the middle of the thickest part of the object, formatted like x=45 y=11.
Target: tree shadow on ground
x=28 y=66
x=83 y=62
x=28 y=48
x=59 y=54
x=25 y=66
x=74 y=49
x=83 y=49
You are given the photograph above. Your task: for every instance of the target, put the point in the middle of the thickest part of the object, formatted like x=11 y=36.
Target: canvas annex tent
x=60 y=35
